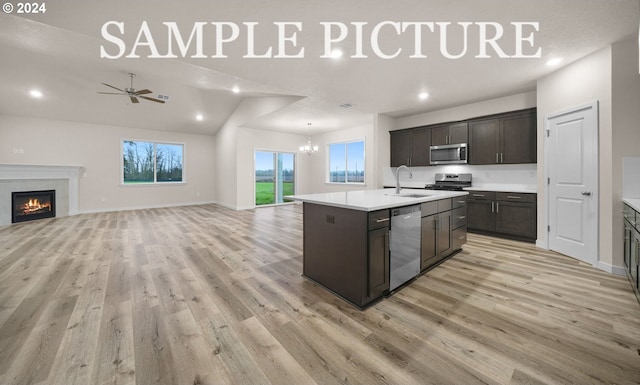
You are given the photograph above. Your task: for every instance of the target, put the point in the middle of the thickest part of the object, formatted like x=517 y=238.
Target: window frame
x=364 y=157
x=155 y=166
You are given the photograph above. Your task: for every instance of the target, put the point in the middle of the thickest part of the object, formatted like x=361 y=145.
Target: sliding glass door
x=275 y=177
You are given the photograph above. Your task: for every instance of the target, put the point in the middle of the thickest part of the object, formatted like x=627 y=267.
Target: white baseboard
x=541 y=244
x=611 y=269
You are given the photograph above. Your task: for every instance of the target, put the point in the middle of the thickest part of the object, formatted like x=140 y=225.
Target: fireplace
x=32 y=205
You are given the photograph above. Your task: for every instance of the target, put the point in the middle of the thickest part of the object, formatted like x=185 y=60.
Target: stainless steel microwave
x=448 y=154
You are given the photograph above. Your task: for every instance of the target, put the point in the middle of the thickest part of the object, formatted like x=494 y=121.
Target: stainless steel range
x=450 y=182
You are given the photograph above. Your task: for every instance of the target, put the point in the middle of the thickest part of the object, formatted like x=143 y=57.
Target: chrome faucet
x=398 y=177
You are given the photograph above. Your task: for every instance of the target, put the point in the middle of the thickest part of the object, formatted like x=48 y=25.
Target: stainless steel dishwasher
x=404 y=258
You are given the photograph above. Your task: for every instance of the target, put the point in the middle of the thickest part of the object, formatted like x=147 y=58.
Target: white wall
x=318 y=163
x=97 y=148
x=626 y=131
x=579 y=83
x=228 y=147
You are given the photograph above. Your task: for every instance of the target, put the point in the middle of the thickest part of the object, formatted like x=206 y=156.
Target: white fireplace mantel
x=32 y=171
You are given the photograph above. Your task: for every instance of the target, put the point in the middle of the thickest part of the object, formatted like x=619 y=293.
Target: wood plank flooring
x=206 y=295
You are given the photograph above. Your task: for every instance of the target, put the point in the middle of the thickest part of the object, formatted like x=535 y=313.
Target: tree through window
x=150 y=162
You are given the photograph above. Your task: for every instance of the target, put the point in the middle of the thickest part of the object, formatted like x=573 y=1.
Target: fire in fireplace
x=32 y=205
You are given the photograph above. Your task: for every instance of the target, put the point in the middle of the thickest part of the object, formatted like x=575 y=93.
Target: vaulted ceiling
x=58 y=53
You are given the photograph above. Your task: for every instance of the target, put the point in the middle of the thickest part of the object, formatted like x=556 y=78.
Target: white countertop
x=633 y=202
x=371 y=200
x=498 y=187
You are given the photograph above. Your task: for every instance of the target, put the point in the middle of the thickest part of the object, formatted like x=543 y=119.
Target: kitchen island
x=362 y=245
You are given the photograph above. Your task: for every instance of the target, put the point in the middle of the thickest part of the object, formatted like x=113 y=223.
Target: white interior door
x=571 y=152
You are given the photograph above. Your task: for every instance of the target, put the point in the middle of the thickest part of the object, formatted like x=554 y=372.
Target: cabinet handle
x=493 y=207
x=502 y=157
x=461 y=202
x=497 y=207
x=382 y=220
x=513 y=197
x=479 y=195
x=462 y=217
x=497 y=158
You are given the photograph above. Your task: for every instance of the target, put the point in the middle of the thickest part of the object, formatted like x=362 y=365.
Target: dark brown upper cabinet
x=503 y=139
x=410 y=147
x=453 y=133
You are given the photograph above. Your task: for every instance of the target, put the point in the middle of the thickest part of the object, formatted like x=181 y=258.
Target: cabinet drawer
x=482 y=195
x=428 y=208
x=379 y=219
x=459 y=202
x=434 y=207
x=459 y=217
x=516 y=197
x=444 y=205
x=459 y=237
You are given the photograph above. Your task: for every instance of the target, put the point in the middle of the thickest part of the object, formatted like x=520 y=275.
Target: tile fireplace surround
x=26 y=177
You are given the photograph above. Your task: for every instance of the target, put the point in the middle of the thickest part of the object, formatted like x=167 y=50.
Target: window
x=346 y=162
x=149 y=162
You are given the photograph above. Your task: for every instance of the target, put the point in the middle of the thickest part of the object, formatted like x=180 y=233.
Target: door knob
x=586 y=193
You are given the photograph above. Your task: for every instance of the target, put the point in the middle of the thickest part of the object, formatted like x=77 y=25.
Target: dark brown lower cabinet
x=632 y=247
x=443 y=230
x=347 y=251
x=511 y=215
x=378 y=269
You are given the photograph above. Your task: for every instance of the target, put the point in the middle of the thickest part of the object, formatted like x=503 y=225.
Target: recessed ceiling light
x=199 y=117
x=554 y=61
x=336 y=54
x=35 y=94
x=423 y=95
x=235 y=89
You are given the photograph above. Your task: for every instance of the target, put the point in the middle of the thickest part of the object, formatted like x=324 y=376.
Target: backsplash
x=631 y=177
x=511 y=174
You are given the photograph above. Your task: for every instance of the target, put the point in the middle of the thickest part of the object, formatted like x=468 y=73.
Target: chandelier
x=308 y=148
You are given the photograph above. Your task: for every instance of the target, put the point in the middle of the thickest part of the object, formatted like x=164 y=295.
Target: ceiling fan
x=132 y=93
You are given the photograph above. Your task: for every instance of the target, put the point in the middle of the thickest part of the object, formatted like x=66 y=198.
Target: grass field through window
x=265 y=192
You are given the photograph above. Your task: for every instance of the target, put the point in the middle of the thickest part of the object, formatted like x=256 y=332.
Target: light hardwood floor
x=206 y=295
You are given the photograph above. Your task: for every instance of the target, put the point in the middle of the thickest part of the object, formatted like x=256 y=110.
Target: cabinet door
x=420 y=142
x=516 y=219
x=378 y=269
x=483 y=141
x=400 y=148
x=459 y=133
x=635 y=255
x=628 y=244
x=445 y=246
x=518 y=139
x=428 y=253
x=480 y=215
x=439 y=135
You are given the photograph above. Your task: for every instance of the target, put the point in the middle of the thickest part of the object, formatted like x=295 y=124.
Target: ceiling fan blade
x=116 y=88
x=133 y=99
x=142 y=92
x=152 y=99
x=111 y=93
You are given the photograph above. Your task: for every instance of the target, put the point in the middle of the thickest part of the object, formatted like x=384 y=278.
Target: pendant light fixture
x=308 y=148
